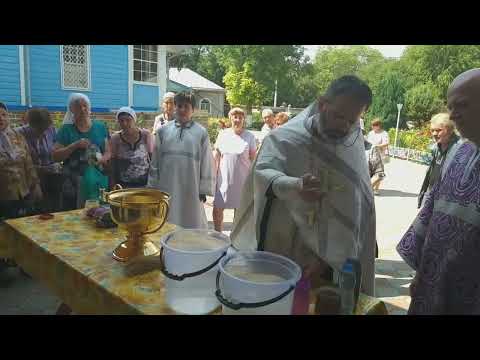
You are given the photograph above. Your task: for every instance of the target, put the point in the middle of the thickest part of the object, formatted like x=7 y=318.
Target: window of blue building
x=75 y=61
x=145 y=63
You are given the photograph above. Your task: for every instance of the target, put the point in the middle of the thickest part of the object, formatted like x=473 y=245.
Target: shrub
x=416 y=139
x=214 y=126
x=257 y=122
x=141 y=120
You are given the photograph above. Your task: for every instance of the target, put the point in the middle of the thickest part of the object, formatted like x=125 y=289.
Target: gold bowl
x=139 y=211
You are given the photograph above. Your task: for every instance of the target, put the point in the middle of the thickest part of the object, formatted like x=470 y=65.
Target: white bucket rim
x=163 y=239
x=228 y=257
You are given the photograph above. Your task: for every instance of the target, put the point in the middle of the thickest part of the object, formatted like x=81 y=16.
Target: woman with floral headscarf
x=79 y=136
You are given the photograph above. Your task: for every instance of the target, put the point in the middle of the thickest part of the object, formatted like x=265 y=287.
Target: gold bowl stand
x=139 y=211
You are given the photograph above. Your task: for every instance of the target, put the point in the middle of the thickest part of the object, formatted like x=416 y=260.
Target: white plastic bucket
x=190 y=274
x=271 y=295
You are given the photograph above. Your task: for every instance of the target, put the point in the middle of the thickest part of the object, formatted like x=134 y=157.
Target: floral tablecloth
x=73 y=258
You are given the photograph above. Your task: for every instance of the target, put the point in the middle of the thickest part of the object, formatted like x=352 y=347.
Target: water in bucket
x=257 y=283
x=190 y=259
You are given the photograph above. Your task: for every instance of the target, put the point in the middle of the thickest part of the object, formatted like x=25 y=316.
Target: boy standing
x=182 y=165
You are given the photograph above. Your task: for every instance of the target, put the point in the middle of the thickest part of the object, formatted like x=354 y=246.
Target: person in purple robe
x=443 y=243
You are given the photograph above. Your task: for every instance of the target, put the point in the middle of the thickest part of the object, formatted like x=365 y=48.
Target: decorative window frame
x=209 y=105
x=89 y=71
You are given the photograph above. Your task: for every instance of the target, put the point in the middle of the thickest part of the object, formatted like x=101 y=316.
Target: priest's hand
x=203 y=198
x=317 y=272
x=82 y=144
x=311 y=188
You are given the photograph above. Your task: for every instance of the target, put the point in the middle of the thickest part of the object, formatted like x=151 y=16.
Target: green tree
x=202 y=59
x=242 y=88
x=333 y=62
x=390 y=92
x=266 y=63
x=421 y=102
x=303 y=89
x=438 y=64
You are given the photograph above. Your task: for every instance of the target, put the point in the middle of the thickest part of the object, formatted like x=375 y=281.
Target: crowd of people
x=307 y=192
x=45 y=168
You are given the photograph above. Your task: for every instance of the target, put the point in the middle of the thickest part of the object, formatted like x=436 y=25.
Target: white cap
x=168 y=95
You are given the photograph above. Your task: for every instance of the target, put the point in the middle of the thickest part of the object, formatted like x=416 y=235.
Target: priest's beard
x=335 y=134
x=332 y=133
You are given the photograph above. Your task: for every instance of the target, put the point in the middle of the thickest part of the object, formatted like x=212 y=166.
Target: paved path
x=396 y=208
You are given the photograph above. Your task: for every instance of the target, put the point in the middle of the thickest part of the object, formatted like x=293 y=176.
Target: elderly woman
x=78 y=134
x=131 y=149
x=168 y=112
x=280 y=119
x=442 y=129
x=40 y=134
x=268 y=120
x=19 y=182
x=235 y=149
x=379 y=138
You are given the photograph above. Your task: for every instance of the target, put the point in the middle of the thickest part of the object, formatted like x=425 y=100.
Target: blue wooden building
x=110 y=75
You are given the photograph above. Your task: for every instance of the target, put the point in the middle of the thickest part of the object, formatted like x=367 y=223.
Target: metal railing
x=418 y=156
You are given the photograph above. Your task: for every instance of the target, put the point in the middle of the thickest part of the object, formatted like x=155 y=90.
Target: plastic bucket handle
x=189 y=275
x=238 y=306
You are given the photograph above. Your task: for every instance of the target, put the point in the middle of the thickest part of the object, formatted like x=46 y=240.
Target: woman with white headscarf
x=79 y=136
x=132 y=149
x=168 y=112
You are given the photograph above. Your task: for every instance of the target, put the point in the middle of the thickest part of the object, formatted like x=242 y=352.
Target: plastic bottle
x=347 y=289
x=100 y=197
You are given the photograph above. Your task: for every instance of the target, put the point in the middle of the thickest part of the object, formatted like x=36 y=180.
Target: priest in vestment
x=308 y=195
